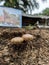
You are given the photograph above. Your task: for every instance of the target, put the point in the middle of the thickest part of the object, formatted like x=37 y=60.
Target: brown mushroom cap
x=27 y=37
x=17 y=40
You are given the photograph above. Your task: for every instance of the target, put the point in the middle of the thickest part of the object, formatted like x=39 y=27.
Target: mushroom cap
x=27 y=37
x=17 y=40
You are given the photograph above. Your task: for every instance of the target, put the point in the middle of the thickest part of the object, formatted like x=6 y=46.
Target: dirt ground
x=35 y=52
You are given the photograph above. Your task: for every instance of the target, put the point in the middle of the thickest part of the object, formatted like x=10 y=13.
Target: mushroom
x=27 y=37
x=17 y=40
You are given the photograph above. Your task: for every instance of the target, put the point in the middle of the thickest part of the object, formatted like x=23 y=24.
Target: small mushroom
x=17 y=40
x=27 y=37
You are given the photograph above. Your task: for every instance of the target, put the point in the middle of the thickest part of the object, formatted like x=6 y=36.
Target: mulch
x=34 y=52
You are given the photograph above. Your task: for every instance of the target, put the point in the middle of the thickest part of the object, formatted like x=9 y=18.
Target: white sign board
x=10 y=17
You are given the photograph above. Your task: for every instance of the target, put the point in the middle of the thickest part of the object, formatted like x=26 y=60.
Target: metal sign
x=10 y=17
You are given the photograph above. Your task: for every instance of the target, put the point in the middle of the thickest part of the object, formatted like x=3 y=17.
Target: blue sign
x=10 y=17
